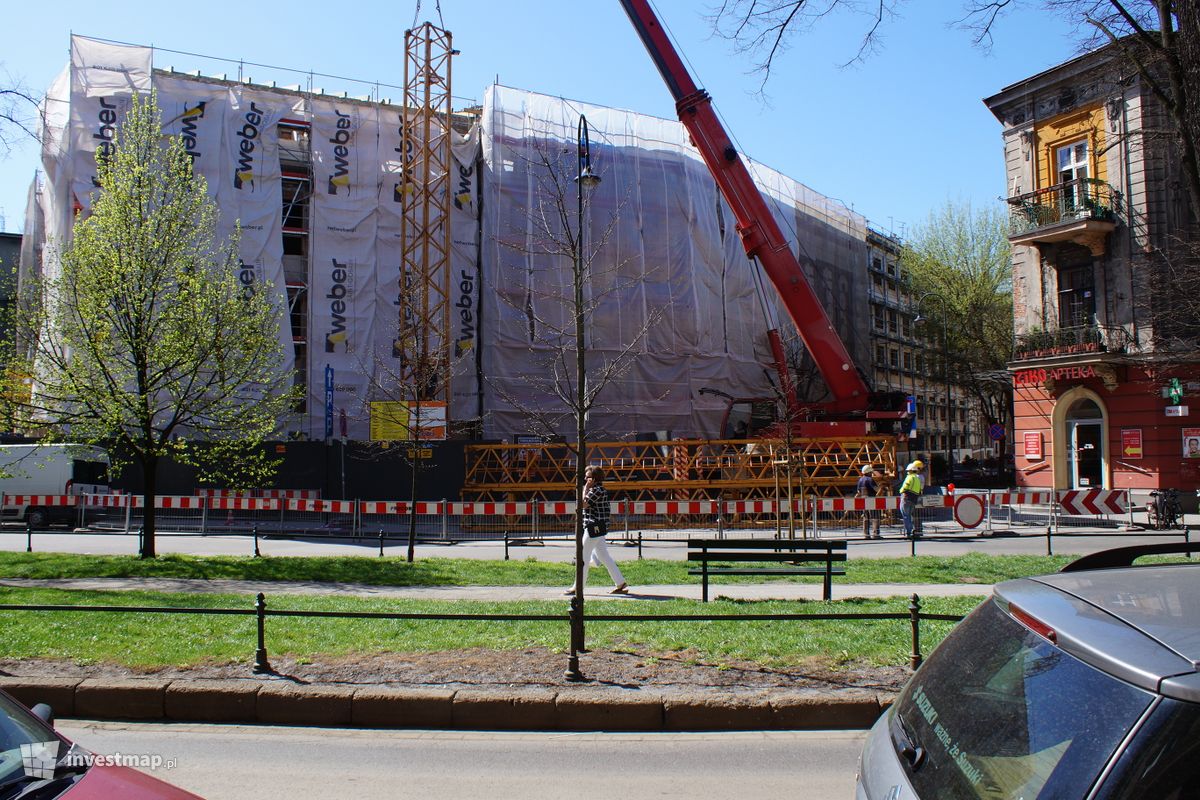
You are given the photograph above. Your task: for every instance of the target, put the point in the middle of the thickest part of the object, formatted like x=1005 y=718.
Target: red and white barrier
x=1022 y=498
x=105 y=500
x=673 y=507
x=41 y=500
x=855 y=504
x=1093 y=501
x=750 y=507
x=245 y=504
x=398 y=507
x=178 y=502
x=321 y=506
x=487 y=509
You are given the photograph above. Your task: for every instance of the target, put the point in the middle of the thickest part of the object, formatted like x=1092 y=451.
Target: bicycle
x=1163 y=512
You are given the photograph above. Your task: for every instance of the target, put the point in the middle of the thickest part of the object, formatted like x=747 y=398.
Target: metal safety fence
x=261 y=612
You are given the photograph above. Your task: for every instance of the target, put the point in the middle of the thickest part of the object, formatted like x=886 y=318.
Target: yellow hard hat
x=916 y=466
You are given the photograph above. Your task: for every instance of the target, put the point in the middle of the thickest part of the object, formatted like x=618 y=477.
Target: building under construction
x=425 y=258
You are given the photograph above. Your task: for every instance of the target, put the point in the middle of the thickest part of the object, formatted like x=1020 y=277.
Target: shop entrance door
x=1086 y=454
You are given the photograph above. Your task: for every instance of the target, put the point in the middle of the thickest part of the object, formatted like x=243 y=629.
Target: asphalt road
x=221 y=761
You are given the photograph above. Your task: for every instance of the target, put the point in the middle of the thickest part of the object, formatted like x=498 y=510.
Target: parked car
x=37 y=762
x=1081 y=684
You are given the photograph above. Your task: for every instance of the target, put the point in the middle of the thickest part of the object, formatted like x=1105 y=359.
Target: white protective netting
x=666 y=250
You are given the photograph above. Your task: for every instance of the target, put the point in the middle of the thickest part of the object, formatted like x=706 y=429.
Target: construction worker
x=910 y=496
x=868 y=487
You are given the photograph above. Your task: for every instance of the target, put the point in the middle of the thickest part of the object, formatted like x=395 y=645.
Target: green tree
x=146 y=340
x=963 y=256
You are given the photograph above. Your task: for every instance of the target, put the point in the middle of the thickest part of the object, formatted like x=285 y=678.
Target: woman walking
x=595 y=529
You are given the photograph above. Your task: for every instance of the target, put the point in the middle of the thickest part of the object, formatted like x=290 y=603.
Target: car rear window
x=1163 y=760
x=1001 y=713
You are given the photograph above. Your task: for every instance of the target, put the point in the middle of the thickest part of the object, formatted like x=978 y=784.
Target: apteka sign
x=1036 y=377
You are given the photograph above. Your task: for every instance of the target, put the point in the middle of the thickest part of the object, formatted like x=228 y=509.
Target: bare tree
x=1156 y=40
x=18 y=111
x=559 y=307
x=410 y=384
x=765 y=30
x=1174 y=314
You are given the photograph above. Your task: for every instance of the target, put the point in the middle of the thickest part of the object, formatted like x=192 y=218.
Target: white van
x=50 y=469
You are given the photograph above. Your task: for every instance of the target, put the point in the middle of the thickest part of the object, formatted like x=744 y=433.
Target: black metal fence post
x=506 y=545
x=914 y=615
x=381 y=542
x=28 y=537
x=639 y=545
x=257 y=554
x=261 y=664
x=1049 y=542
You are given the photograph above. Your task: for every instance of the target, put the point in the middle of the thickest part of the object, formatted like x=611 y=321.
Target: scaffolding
x=692 y=469
x=422 y=344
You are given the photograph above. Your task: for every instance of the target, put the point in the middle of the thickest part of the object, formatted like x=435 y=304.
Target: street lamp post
x=584 y=181
x=945 y=377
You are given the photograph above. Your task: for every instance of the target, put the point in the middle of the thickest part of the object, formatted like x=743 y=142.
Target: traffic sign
x=968 y=510
x=1092 y=501
x=996 y=431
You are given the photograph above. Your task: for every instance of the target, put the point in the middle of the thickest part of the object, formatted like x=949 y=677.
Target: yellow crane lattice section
x=693 y=469
x=422 y=343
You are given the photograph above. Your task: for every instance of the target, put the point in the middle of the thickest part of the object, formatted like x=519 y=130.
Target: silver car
x=1081 y=684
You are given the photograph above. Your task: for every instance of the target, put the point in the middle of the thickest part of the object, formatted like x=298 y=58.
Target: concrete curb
x=565 y=709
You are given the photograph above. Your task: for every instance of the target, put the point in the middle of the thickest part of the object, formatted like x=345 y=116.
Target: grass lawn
x=971 y=568
x=159 y=640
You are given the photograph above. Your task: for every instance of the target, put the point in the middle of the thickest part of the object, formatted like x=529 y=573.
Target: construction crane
x=854 y=409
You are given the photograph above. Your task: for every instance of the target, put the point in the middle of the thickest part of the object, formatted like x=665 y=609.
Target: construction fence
x=978 y=512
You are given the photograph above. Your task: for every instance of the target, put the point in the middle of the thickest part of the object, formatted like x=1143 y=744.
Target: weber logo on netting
x=189 y=130
x=247 y=146
x=465 y=307
x=247 y=275
x=406 y=319
x=403 y=185
x=339 y=179
x=341 y=290
x=464 y=191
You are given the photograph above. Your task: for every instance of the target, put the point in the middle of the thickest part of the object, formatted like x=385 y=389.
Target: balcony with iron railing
x=1084 y=211
x=1078 y=339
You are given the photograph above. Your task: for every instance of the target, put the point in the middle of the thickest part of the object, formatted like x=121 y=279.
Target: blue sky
x=894 y=137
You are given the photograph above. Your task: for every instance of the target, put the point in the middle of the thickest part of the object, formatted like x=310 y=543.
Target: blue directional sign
x=328 y=402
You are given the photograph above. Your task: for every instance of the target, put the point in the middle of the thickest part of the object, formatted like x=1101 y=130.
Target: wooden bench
x=758 y=551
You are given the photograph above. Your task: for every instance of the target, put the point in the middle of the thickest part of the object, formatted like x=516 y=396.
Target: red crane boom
x=757 y=228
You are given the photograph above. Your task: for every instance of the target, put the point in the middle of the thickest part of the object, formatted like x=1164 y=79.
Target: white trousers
x=595 y=551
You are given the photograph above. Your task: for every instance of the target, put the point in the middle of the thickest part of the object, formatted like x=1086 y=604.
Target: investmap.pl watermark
x=40 y=760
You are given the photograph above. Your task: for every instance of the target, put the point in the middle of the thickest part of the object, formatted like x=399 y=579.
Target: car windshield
x=24 y=743
x=999 y=712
